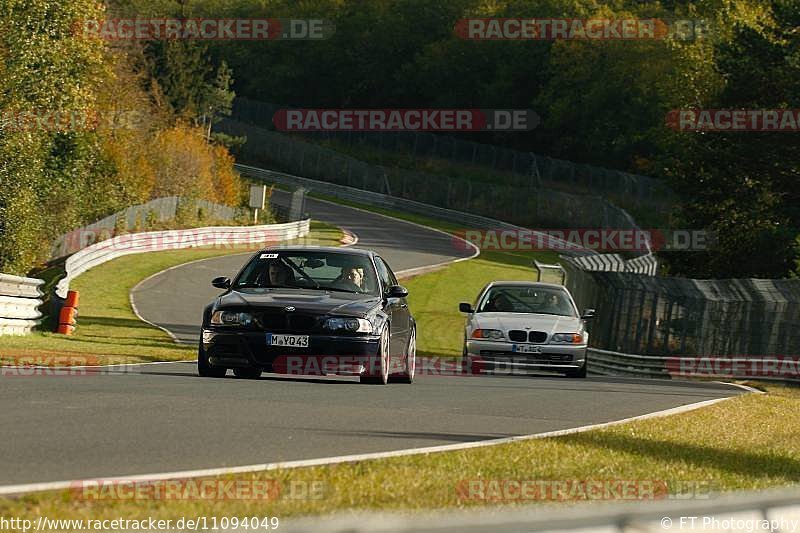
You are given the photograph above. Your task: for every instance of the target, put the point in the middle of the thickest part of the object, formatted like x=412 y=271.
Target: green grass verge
x=108 y=330
x=743 y=443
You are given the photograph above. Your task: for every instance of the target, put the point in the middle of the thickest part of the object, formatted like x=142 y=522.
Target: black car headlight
x=350 y=325
x=231 y=318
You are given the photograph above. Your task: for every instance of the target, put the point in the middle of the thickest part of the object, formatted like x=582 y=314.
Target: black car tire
x=385 y=360
x=206 y=369
x=250 y=372
x=407 y=376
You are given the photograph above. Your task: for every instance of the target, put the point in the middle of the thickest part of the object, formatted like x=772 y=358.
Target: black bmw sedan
x=310 y=311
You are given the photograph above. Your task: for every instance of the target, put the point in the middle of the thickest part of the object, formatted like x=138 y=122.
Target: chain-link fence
x=512 y=167
x=528 y=206
x=642 y=314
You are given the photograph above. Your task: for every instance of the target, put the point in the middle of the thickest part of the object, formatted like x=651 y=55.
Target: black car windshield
x=522 y=299
x=341 y=272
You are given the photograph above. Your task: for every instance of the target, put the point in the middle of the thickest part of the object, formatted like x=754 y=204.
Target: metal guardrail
x=774 y=510
x=19 y=301
x=161 y=209
x=152 y=241
x=767 y=368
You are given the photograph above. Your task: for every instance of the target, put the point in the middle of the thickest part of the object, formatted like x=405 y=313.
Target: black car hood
x=303 y=300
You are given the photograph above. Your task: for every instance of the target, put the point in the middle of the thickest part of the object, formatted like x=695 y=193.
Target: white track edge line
x=11 y=490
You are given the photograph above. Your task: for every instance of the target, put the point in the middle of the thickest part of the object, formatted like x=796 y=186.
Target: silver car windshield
x=521 y=299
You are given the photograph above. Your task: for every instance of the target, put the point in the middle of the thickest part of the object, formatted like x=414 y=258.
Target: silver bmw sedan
x=524 y=326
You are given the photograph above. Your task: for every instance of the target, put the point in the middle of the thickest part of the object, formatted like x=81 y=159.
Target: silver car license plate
x=526 y=348
x=278 y=339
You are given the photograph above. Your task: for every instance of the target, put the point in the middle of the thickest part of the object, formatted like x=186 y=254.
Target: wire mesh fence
x=528 y=206
x=651 y=315
x=513 y=167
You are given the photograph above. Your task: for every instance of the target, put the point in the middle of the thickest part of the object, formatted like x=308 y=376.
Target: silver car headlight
x=350 y=325
x=491 y=334
x=567 y=338
x=231 y=318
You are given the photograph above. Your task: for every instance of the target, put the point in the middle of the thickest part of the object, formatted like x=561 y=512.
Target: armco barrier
x=766 y=368
x=162 y=209
x=19 y=301
x=151 y=241
x=766 y=511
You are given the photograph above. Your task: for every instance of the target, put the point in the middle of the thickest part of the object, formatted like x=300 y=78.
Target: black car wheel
x=407 y=376
x=250 y=372
x=206 y=369
x=382 y=376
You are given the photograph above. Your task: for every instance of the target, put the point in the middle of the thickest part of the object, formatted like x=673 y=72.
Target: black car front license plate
x=294 y=341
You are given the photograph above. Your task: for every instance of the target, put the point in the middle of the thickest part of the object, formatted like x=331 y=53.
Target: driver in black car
x=279 y=275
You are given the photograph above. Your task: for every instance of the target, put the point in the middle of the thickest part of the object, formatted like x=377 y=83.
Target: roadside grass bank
x=108 y=331
x=744 y=443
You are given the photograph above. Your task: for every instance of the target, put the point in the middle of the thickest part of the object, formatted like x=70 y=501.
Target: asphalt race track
x=163 y=418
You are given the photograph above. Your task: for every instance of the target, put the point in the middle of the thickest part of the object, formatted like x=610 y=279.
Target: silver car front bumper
x=498 y=355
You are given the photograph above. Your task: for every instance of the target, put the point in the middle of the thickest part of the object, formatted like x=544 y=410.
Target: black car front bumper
x=324 y=354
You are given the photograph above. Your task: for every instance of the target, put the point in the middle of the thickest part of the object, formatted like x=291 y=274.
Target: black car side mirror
x=221 y=282
x=465 y=308
x=588 y=314
x=397 y=291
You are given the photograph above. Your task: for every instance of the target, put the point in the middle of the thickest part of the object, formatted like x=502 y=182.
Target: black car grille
x=288 y=322
x=517 y=335
x=537 y=336
x=272 y=322
x=302 y=322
